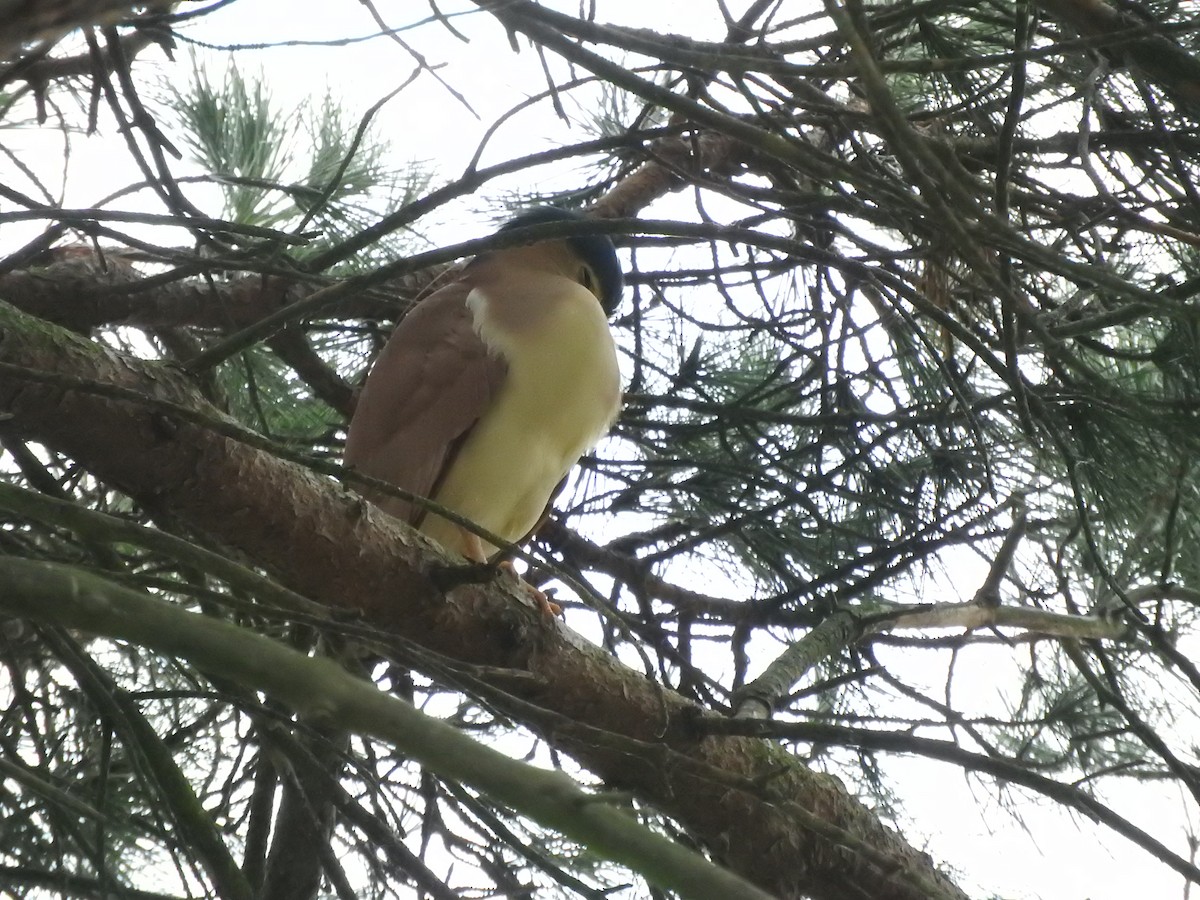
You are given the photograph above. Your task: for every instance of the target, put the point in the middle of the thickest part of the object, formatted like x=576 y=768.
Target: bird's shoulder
x=430 y=383
x=437 y=342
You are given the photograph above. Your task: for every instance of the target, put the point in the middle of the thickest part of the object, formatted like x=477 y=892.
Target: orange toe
x=548 y=607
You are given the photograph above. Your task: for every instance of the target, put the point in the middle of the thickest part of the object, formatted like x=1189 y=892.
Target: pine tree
x=905 y=466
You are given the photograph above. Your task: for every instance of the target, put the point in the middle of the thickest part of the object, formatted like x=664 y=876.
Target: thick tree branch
x=749 y=802
x=81 y=293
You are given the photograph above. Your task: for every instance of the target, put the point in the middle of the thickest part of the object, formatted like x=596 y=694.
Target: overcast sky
x=963 y=822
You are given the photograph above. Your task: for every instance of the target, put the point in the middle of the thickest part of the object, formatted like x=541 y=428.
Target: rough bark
x=794 y=832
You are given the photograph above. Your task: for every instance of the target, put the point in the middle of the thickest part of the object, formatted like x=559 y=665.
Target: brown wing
x=428 y=388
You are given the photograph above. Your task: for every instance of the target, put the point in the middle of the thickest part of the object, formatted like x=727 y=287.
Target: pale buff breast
x=561 y=394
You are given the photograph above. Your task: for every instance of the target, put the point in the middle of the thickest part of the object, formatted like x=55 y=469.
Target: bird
x=492 y=387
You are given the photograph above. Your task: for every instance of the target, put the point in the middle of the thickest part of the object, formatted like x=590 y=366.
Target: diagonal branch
x=75 y=598
x=792 y=831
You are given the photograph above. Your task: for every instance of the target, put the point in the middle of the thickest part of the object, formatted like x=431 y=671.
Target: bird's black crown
x=596 y=250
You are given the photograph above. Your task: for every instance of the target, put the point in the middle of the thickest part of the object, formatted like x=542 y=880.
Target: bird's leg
x=472 y=548
x=477 y=568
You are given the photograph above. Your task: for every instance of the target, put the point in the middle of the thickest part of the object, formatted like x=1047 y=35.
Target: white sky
x=958 y=819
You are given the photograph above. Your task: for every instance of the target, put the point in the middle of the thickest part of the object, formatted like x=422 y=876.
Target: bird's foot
x=545 y=605
x=476 y=570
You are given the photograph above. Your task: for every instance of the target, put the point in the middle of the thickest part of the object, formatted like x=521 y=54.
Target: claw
x=545 y=605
